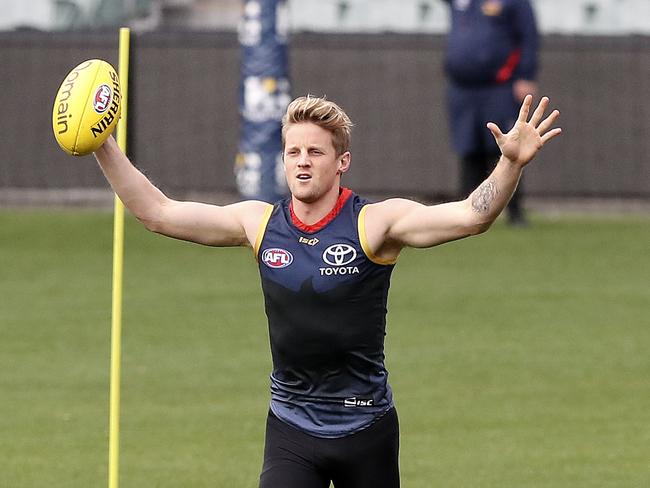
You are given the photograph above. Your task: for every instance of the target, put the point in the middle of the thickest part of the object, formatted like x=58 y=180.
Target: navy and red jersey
x=491 y=42
x=325 y=299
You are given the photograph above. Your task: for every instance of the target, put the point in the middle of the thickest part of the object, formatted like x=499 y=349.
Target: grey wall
x=184 y=124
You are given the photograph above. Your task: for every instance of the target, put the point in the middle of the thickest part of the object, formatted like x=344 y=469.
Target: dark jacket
x=491 y=42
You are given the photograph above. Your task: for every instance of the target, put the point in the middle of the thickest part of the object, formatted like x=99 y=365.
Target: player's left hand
x=521 y=143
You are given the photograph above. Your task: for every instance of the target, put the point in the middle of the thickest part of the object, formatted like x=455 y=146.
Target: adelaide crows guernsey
x=325 y=298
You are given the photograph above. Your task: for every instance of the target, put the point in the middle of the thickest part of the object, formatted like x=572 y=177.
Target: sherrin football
x=87 y=107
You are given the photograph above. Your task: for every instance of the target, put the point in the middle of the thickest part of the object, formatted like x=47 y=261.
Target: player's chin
x=304 y=193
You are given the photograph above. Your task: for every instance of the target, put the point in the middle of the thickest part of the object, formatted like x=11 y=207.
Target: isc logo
x=277 y=258
x=358 y=402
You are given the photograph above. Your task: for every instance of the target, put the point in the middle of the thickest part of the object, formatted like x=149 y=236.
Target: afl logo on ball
x=102 y=99
x=277 y=258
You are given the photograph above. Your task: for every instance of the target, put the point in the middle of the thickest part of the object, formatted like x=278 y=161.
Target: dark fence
x=184 y=122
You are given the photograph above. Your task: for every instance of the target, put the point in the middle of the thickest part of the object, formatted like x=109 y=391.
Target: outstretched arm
x=397 y=223
x=231 y=225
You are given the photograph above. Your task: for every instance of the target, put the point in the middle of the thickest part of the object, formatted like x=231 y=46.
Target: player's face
x=310 y=162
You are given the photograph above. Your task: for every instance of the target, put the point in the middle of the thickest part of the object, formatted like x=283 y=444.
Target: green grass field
x=518 y=358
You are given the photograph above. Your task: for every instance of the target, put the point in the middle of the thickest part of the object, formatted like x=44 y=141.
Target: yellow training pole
x=118 y=265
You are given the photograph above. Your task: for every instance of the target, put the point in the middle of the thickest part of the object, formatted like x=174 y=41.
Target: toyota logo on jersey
x=277 y=258
x=339 y=255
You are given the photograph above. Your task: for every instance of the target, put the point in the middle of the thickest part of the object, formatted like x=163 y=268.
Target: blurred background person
x=491 y=65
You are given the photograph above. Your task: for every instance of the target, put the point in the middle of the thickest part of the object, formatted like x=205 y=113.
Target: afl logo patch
x=102 y=99
x=339 y=255
x=277 y=258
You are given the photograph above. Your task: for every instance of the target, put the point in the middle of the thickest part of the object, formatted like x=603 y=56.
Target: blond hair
x=323 y=113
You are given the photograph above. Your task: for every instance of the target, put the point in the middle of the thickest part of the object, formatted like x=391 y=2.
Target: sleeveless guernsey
x=325 y=298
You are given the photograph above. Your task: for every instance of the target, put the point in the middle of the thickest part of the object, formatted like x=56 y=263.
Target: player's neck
x=311 y=212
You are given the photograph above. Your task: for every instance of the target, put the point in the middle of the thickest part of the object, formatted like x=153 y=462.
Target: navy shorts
x=365 y=459
x=471 y=108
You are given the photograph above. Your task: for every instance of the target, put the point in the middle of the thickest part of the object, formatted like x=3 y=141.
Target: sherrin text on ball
x=87 y=107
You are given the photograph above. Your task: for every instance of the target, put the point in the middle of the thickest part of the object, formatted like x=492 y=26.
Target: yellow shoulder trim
x=262 y=229
x=364 y=241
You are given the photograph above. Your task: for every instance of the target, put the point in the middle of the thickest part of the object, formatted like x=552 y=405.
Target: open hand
x=521 y=143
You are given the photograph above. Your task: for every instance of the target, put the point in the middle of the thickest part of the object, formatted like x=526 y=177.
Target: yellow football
x=87 y=107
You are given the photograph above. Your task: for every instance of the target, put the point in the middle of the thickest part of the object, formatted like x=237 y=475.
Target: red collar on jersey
x=344 y=194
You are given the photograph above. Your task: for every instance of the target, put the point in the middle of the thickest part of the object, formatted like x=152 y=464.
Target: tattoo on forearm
x=484 y=196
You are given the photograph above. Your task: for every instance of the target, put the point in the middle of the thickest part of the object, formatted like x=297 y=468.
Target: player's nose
x=304 y=160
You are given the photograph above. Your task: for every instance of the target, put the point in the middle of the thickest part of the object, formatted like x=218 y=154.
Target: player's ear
x=344 y=161
x=282 y=159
